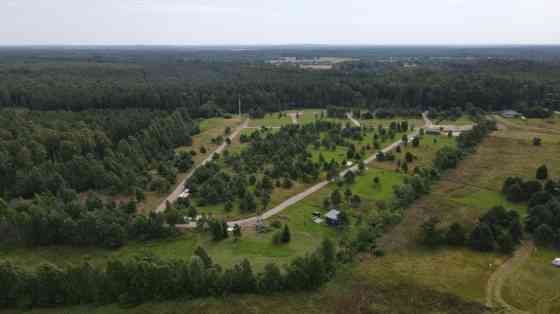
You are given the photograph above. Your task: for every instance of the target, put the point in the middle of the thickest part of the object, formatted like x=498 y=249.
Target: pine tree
x=286 y=236
x=542 y=173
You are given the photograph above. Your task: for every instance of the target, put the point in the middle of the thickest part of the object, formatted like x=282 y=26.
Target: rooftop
x=333 y=214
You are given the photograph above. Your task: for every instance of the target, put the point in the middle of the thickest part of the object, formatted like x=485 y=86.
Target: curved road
x=496 y=282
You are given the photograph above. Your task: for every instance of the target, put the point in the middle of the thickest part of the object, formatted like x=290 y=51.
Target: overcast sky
x=199 y=22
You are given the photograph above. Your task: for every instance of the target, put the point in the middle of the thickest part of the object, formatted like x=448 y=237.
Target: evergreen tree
x=542 y=173
x=286 y=236
x=456 y=235
x=200 y=252
x=481 y=238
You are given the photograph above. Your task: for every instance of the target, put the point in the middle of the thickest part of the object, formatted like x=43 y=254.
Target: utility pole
x=239 y=103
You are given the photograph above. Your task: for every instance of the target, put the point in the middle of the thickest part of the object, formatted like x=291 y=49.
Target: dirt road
x=171 y=198
x=298 y=197
x=496 y=282
x=356 y=122
x=294 y=116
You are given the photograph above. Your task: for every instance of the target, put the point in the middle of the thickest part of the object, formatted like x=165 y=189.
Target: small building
x=433 y=131
x=186 y=193
x=332 y=217
x=510 y=114
x=556 y=262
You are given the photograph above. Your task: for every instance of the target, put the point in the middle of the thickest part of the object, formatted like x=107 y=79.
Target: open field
x=462 y=195
x=534 y=287
x=548 y=124
x=374 y=123
x=465 y=272
x=310 y=115
x=271 y=119
x=463 y=120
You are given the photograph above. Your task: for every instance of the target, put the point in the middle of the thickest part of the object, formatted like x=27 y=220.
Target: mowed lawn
x=310 y=115
x=463 y=120
x=272 y=120
x=417 y=122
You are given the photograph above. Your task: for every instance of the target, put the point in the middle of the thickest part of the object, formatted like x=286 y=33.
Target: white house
x=186 y=193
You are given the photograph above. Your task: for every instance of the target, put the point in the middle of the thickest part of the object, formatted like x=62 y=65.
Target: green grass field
x=374 y=123
x=310 y=115
x=534 y=287
x=463 y=120
x=271 y=119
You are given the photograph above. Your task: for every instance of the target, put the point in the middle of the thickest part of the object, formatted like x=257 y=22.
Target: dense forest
x=108 y=150
x=154 y=78
x=62 y=163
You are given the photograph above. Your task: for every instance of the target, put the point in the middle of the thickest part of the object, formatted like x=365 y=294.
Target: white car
x=556 y=262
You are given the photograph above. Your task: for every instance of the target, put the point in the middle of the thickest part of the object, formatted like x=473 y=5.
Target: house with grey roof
x=332 y=217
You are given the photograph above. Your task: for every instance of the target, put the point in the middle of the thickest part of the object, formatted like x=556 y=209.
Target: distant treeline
x=208 y=87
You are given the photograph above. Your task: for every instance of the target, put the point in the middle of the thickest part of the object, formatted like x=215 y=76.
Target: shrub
x=455 y=235
x=542 y=173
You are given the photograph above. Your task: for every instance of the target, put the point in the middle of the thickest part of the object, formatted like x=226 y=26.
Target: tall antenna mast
x=239 y=103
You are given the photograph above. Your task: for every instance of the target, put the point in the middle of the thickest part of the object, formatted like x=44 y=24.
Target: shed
x=332 y=217
x=433 y=131
x=510 y=114
x=186 y=193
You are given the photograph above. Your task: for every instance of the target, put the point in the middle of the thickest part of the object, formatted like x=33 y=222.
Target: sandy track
x=354 y=121
x=172 y=198
x=496 y=282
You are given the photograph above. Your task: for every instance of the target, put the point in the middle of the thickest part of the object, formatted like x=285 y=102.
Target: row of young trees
x=498 y=229
x=146 y=277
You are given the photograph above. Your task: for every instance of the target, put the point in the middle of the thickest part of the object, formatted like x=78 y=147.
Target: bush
x=455 y=235
x=286 y=236
x=431 y=235
x=542 y=173
x=481 y=238
x=277 y=237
